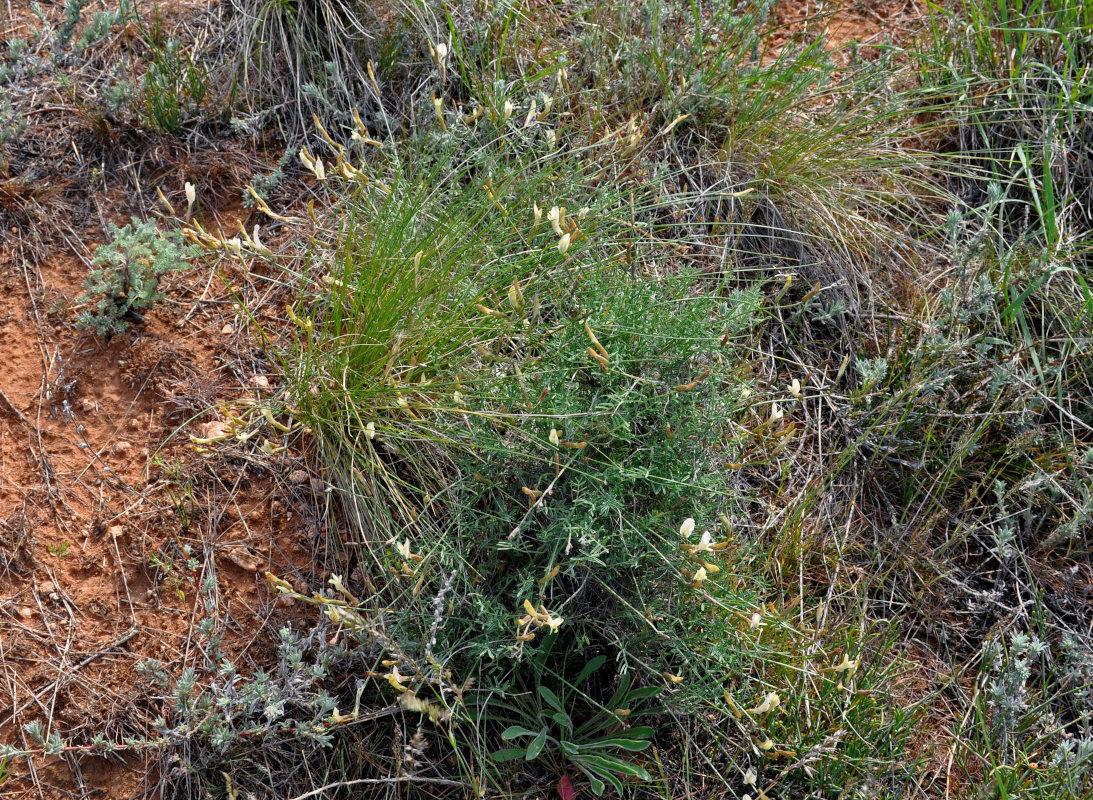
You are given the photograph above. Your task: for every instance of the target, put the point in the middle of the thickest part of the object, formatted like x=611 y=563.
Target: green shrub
x=174 y=88
x=126 y=282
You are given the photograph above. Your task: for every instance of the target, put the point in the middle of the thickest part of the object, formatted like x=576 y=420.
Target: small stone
x=25 y=612
x=261 y=381
x=217 y=429
x=299 y=476
x=227 y=330
x=115 y=531
x=121 y=446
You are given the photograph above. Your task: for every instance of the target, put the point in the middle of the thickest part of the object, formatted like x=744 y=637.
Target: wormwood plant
x=126 y=281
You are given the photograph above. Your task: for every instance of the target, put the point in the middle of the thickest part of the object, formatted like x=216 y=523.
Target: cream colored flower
x=687 y=528
x=191 y=196
x=554 y=438
x=553 y=623
x=556 y=215
x=396 y=680
x=770 y=702
x=563 y=243
x=776 y=413
x=705 y=544
x=750 y=777
x=795 y=388
x=370 y=431
x=846 y=665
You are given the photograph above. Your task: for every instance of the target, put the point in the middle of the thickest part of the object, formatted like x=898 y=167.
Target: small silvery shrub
x=127 y=279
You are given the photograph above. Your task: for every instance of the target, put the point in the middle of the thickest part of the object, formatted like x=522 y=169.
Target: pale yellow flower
x=705 y=544
x=770 y=702
x=556 y=215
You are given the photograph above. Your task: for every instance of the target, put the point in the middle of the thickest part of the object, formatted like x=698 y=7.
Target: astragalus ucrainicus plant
x=531 y=402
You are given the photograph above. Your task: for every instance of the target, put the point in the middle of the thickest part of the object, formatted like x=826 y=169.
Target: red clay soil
x=88 y=519
x=864 y=24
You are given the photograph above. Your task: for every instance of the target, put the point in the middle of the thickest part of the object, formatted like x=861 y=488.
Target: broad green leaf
x=513 y=731
x=609 y=764
x=643 y=693
x=562 y=719
x=630 y=745
x=536 y=746
x=551 y=698
x=589 y=668
x=508 y=754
